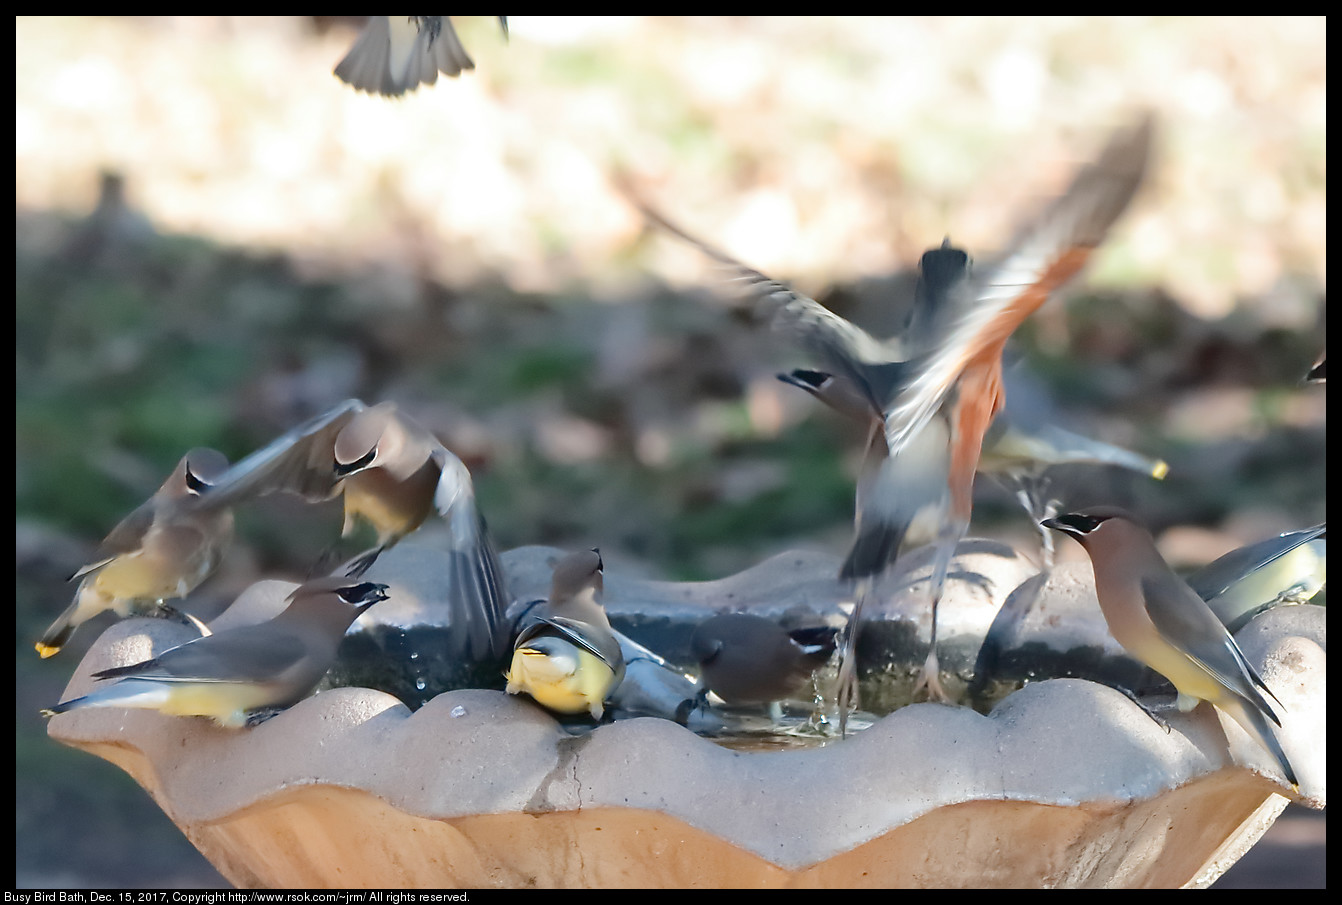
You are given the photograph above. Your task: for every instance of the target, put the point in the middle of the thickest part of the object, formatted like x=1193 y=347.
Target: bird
x=936 y=387
x=241 y=675
x=566 y=656
x=747 y=659
x=1025 y=442
x=163 y=550
x=1018 y=449
x=1163 y=622
x=393 y=473
x=1288 y=568
x=395 y=54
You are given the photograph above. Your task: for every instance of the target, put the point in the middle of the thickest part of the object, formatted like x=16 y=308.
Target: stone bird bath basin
x=1064 y=782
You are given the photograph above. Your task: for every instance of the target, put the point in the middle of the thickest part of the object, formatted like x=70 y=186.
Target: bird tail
x=1256 y=724
x=126 y=693
x=876 y=547
x=58 y=633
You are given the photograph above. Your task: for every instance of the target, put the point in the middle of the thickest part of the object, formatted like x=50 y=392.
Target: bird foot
x=171 y=612
x=257 y=717
x=362 y=564
x=1151 y=710
x=930 y=679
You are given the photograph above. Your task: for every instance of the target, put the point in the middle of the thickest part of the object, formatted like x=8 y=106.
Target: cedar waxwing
x=396 y=54
x=162 y=550
x=1289 y=568
x=392 y=473
x=937 y=386
x=568 y=660
x=1018 y=448
x=1162 y=622
x=747 y=659
x=241 y=674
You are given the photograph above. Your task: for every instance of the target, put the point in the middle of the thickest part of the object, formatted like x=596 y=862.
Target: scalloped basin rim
x=1068 y=746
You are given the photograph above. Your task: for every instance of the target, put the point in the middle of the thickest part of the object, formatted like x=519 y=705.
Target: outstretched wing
x=981 y=313
x=477 y=592
x=300 y=461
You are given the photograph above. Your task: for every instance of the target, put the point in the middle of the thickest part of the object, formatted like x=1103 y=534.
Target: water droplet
x=419 y=684
x=458 y=711
x=414 y=655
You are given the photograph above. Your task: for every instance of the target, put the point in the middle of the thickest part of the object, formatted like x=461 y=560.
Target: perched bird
x=566 y=656
x=393 y=473
x=747 y=659
x=240 y=675
x=936 y=387
x=163 y=550
x=1289 y=568
x=1162 y=622
x=396 y=54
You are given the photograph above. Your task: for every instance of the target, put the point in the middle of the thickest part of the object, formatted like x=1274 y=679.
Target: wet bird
x=238 y=676
x=1162 y=622
x=163 y=550
x=936 y=387
x=1289 y=568
x=396 y=54
x=747 y=659
x=566 y=656
x=392 y=473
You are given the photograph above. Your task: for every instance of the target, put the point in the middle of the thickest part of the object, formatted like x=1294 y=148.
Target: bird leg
x=847 y=681
x=362 y=563
x=930 y=677
x=1150 y=710
x=171 y=612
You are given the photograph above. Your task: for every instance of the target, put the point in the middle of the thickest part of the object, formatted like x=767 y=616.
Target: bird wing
x=981 y=313
x=441 y=52
x=124 y=538
x=1215 y=578
x=367 y=66
x=254 y=653
x=301 y=461
x=478 y=597
x=1187 y=623
x=845 y=348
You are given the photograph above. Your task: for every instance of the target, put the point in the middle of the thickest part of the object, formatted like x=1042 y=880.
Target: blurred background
x=215 y=239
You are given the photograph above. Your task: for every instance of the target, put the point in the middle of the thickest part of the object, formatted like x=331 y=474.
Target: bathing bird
x=1163 y=622
x=240 y=675
x=566 y=656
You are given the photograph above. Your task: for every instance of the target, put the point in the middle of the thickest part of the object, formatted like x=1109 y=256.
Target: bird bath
x=1063 y=782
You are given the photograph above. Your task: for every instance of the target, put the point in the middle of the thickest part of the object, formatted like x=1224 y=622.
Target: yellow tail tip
x=1160 y=470
x=46 y=650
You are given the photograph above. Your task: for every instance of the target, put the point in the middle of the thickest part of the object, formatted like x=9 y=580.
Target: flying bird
x=393 y=473
x=933 y=390
x=396 y=54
